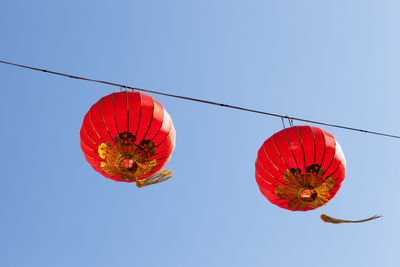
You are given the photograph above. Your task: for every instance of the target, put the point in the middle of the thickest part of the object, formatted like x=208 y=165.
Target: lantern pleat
x=260 y=169
x=89 y=152
x=295 y=142
x=285 y=154
x=120 y=105
x=165 y=152
x=99 y=125
x=332 y=168
x=86 y=138
x=165 y=144
x=339 y=175
x=319 y=139
x=90 y=131
x=272 y=197
x=158 y=117
x=308 y=145
x=165 y=130
x=266 y=162
x=108 y=117
x=300 y=168
x=163 y=156
x=145 y=116
x=262 y=182
x=135 y=115
x=330 y=145
x=274 y=156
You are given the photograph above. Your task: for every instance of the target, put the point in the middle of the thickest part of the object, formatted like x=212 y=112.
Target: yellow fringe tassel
x=328 y=219
x=155 y=179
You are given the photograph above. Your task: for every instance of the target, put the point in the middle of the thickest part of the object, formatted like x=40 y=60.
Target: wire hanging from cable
x=291 y=119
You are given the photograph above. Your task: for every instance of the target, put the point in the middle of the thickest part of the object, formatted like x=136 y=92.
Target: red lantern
x=300 y=168
x=129 y=137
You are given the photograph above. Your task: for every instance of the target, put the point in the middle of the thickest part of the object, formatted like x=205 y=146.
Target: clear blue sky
x=334 y=61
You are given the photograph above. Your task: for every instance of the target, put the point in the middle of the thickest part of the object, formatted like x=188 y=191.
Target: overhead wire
x=289 y=118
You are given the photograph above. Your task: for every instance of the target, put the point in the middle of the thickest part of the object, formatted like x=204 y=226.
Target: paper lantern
x=129 y=137
x=300 y=168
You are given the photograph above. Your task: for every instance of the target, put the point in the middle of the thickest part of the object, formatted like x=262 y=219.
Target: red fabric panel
x=98 y=124
x=146 y=117
x=165 y=148
x=307 y=137
x=271 y=196
x=166 y=152
x=165 y=144
x=164 y=130
x=337 y=169
x=282 y=146
x=333 y=167
x=121 y=110
x=90 y=153
x=260 y=169
x=274 y=160
x=93 y=161
x=330 y=144
x=264 y=163
x=107 y=110
x=90 y=132
x=264 y=182
x=86 y=140
x=296 y=147
x=135 y=113
x=319 y=144
x=339 y=174
x=158 y=117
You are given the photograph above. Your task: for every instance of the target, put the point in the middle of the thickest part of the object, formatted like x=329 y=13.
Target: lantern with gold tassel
x=128 y=137
x=301 y=168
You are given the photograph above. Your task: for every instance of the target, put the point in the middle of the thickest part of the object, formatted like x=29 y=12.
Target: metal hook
x=123 y=88
x=290 y=121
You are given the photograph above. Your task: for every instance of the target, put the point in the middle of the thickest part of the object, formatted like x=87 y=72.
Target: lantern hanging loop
x=290 y=119
x=283 y=123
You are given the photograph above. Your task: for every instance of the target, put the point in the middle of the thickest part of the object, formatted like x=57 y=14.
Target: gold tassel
x=328 y=219
x=155 y=179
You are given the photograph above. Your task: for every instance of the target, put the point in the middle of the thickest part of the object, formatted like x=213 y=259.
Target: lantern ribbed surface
x=128 y=136
x=300 y=168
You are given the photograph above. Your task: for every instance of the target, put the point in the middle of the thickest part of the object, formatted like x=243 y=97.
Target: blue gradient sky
x=334 y=61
